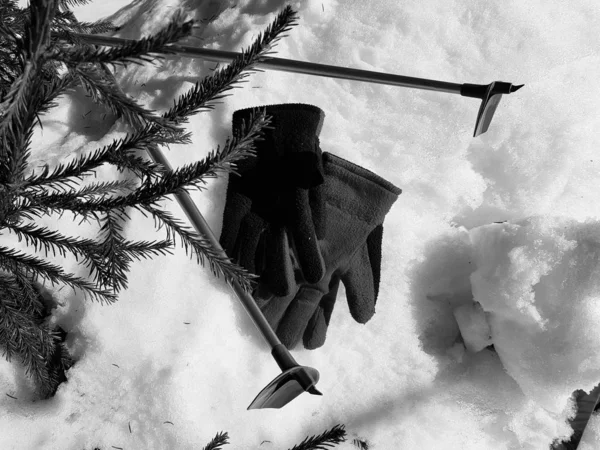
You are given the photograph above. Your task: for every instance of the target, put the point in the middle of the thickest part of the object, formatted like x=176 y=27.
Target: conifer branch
x=104 y=91
x=114 y=274
x=217 y=442
x=16 y=125
x=12 y=261
x=29 y=303
x=323 y=441
x=30 y=59
x=98 y=188
x=66 y=20
x=53 y=241
x=29 y=338
x=173 y=32
x=196 y=244
x=192 y=175
x=212 y=87
x=67 y=3
x=118 y=153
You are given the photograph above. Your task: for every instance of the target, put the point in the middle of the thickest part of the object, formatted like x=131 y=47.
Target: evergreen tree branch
x=131 y=52
x=98 y=188
x=37 y=105
x=53 y=241
x=117 y=253
x=144 y=249
x=323 y=441
x=33 y=204
x=40 y=347
x=66 y=3
x=49 y=91
x=12 y=292
x=30 y=303
x=29 y=83
x=65 y=21
x=12 y=261
x=196 y=244
x=212 y=87
x=16 y=118
x=119 y=153
x=104 y=92
x=112 y=273
x=38 y=27
x=33 y=342
x=237 y=148
x=217 y=442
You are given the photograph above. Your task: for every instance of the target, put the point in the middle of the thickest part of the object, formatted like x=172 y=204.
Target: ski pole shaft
x=293 y=66
x=198 y=222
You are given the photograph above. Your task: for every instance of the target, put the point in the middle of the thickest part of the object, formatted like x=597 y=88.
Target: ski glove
x=269 y=198
x=355 y=204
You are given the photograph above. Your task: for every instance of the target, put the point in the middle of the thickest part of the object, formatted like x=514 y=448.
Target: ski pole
x=490 y=94
x=294 y=379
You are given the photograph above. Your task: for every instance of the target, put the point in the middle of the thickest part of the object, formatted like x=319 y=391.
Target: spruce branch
x=91 y=253
x=89 y=191
x=217 y=442
x=29 y=338
x=131 y=52
x=29 y=303
x=65 y=21
x=196 y=174
x=37 y=28
x=104 y=91
x=323 y=441
x=199 y=245
x=15 y=111
x=192 y=175
x=117 y=253
x=29 y=84
x=212 y=87
x=12 y=261
x=39 y=104
x=119 y=153
x=67 y=3
x=53 y=241
x=113 y=274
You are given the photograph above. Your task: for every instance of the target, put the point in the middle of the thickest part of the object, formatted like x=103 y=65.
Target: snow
x=177 y=360
x=473 y=326
x=591 y=435
x=538 y=281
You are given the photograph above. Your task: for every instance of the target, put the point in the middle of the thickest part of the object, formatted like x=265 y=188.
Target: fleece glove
x=355 y=202
x=268 y=199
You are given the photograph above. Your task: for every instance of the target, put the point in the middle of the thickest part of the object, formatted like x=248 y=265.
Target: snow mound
x=538 y=282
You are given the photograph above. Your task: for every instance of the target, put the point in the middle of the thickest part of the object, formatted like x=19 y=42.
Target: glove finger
x=374 y=242
x=278 y=272
x=236 y=208
x=317 y=207
x=316 y=330
x=306 y=245
x=297 y=315
x=360 y=287
x=251 y=230
x=261 y=255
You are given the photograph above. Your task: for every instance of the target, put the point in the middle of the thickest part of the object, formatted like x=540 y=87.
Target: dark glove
x=269 y=199
x=355 y=204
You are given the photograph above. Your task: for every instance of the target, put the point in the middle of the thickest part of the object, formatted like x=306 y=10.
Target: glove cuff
x=298 y=119
x=357 y=190
x=289 y=153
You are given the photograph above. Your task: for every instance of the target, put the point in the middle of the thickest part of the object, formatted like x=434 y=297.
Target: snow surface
x=177 y=360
